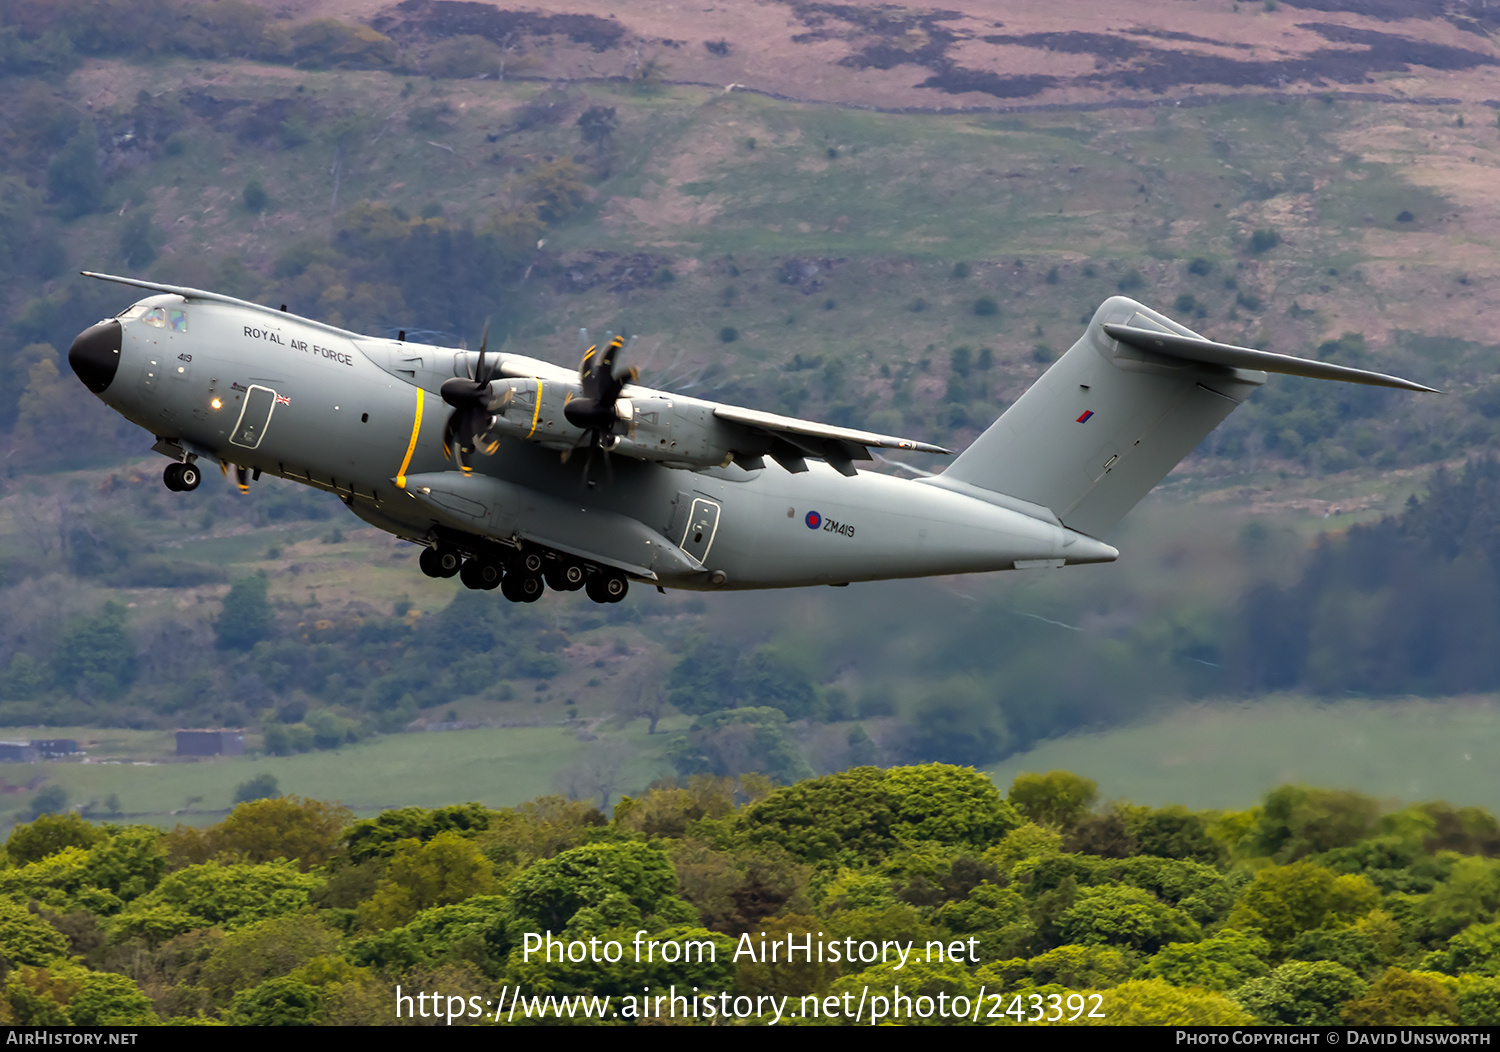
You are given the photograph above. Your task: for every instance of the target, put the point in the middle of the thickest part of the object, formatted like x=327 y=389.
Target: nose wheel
x=182 y=478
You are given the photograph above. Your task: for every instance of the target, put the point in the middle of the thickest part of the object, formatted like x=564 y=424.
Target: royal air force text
x=342 y=357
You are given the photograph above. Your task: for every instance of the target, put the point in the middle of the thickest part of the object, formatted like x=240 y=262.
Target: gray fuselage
x=362 y=418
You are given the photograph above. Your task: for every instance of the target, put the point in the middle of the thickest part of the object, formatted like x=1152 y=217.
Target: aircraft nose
x=95 y=355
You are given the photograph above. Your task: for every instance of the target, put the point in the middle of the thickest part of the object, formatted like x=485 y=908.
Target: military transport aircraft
x=468 y=453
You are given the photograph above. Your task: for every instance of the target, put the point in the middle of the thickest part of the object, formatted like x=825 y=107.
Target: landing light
x=217 y=404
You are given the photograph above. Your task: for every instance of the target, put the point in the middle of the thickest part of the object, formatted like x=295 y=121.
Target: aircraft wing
x=791 y=440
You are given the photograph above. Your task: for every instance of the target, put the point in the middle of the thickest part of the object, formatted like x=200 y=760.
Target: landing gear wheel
x=530 y=562
x=521 y=587
x=480 y=574
x=606 y=587
x=181 y=478
x=564 y=577
x=440 y=562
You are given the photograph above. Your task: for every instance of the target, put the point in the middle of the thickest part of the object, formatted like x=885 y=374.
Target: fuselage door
x=702 y=525
x=254 y=417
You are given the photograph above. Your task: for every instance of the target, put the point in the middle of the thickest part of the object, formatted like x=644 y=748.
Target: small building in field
x=18 y=752
x=55 y=748
x=220 y=742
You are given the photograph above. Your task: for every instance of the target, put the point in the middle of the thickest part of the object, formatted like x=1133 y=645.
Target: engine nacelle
x=671 y=431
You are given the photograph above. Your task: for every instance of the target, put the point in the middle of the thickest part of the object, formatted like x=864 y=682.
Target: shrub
x=1264 y=240
x=256 y=198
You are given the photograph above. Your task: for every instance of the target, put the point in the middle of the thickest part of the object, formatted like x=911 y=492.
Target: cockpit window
x=159 y=317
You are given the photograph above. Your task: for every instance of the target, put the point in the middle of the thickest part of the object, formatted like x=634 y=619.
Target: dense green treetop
x=287 y=913
x=863 y=812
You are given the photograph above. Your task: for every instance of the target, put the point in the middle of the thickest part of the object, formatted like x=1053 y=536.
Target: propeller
x=596 y=409
x=474 y=404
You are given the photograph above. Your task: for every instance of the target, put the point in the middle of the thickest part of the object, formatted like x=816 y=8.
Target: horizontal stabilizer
x=1197 y=349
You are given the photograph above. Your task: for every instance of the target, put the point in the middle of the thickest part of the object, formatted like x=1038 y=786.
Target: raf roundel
x=813 y=520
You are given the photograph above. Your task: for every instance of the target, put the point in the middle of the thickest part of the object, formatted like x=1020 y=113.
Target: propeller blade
x=473 y=398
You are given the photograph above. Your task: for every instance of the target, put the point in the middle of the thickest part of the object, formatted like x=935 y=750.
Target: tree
x=49 y=834
x=379 y=837
x=1224 y=962
x=860 y=813
x=138 y=241
x=1057 y=798
x=1124 y=916
x=1399 y=998
x=255 y=196
x=73 y=177
x=307 y=832
x=1264 y=240
x=1301 y=993
x=129 y=863
x=231 y=896
x=1284 y=901
x=597 y=125
x=97 y=652
x=49 y=800
x=1297 y=820
x=260 y=787
x=270 y=948
x=737 y=742
x=445 y=870
x=106 y=999
x=27 y=939
x=551 y=891
x=480 y=931
x=246 y=617
x=282 y=1001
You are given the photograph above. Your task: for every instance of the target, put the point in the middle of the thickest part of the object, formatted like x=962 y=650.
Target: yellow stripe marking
x=411 y=447
x=537 y=413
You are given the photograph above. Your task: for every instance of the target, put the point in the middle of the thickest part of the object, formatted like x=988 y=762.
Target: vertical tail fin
x=1109 y=419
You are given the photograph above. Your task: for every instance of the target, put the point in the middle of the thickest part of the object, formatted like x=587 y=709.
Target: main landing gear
x=182 y=478
x=522 y=578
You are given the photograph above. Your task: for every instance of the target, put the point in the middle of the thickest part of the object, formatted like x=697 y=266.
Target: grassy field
x=1222 y=755
x=499 y=767
x=1227 y=755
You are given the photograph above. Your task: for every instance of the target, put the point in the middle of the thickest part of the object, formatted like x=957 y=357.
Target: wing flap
x=824 y=441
